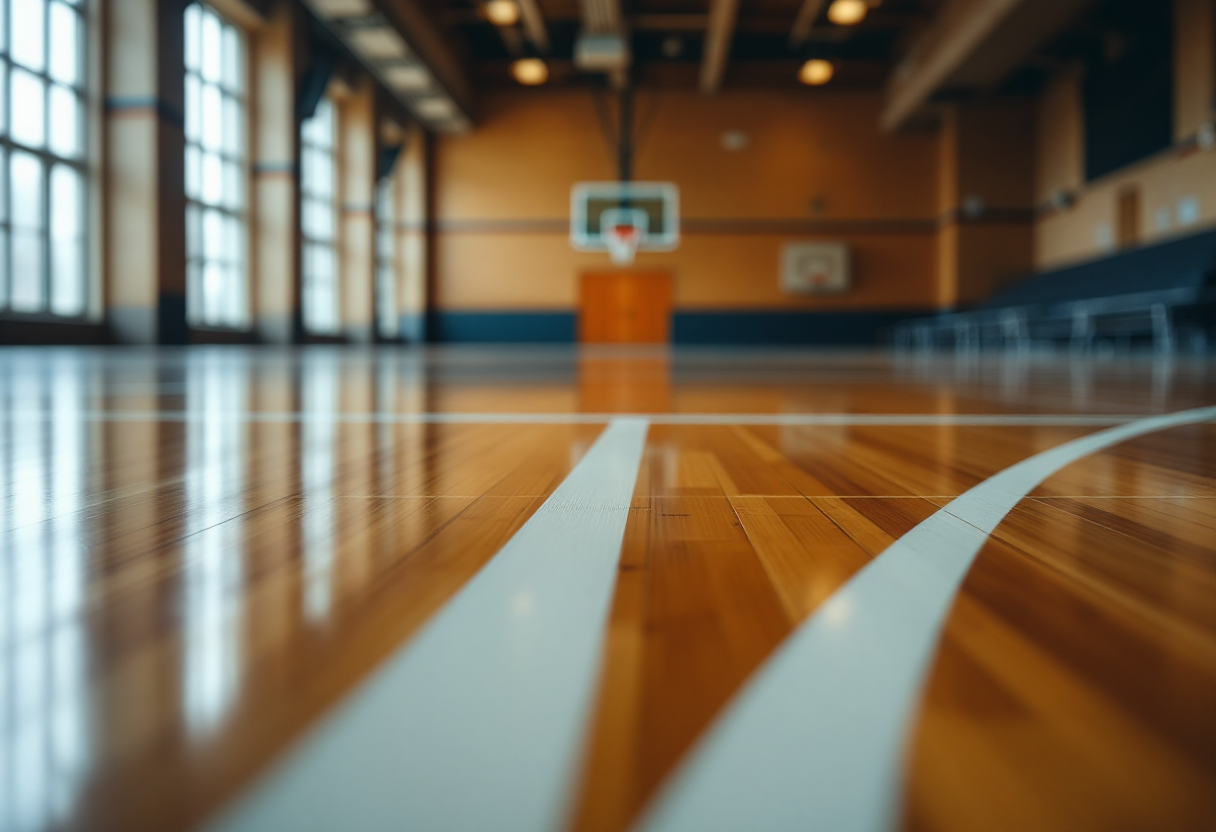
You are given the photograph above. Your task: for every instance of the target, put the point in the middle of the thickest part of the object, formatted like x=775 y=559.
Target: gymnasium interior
x=607 y=415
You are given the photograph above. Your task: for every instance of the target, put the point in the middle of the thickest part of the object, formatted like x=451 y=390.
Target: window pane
x=67 y=239
x=212 y=57
x=227 y=250
x=65 y=122
x=65 y=44
x=28 y=242
x=193 y=13
x=3 y=28
x=28 y=120
x=212 y=118
x=4 y=287
x=27 y=29
x=232 y=186
x=26 y=179
x=232 y=127
x=194 y=292
x=194 y=174
x=3 y=96
x=213 y=179
x=232 y=60
x=3 y=186
x=193 y=105
x=213 y=293
x=213 y=284
x=194 y=232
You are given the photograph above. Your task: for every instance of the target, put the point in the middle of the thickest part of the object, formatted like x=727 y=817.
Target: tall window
x=318 y=221
x=216 y=286
x=42 y=156
x=386 y=272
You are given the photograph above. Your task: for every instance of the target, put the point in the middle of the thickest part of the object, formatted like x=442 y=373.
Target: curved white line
x=476 y=723
x=816 y=739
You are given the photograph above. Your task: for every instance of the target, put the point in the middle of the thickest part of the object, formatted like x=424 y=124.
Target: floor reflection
x=44 y=716
x=213 y=560
x=169 y=519
x=319 y=405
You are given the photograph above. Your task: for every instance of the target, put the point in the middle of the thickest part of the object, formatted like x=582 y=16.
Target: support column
x=145 y=149
x=412 y=246
x=275 y=262
x=986 y=199
x=357 y=190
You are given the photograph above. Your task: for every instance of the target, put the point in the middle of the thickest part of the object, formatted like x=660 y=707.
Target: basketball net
x=623 y=242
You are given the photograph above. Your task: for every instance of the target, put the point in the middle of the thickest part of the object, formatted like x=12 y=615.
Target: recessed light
x=848 y=12
x=816 y=72
x=502 y=12
x=530 y=71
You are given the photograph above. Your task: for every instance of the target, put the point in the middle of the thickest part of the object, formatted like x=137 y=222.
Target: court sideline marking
x=816 y=739
x=760 y=419
x=476 y=722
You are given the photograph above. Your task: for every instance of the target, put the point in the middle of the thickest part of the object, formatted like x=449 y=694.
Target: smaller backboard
x=619 y=217
x=815 y=268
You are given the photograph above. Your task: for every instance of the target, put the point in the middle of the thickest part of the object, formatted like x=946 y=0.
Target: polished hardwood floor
x=203 y=551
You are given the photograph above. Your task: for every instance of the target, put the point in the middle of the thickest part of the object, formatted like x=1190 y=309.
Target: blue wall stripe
x=522 y=327
x=718 y=327
x=164 y=110
x=786 y=327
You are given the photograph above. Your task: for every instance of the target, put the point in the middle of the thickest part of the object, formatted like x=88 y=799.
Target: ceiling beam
x=972 y=46
x=718 y=35
x=534 y=24
x=428 y=42
x=601 y=17
x=807 y=16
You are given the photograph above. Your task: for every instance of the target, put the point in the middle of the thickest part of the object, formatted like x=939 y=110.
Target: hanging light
x=530 y=72
x=501 y=12
x=848 y=12
x=816 y=72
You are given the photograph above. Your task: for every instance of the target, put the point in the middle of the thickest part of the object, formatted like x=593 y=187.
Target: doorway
x=1129 y=217
x=625 y=308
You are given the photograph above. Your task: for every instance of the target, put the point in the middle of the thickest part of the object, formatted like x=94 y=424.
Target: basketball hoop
x=623 y=242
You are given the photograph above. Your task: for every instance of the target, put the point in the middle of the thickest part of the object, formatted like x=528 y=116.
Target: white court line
x=477 y=723
x=816 y=739
x=776 y=419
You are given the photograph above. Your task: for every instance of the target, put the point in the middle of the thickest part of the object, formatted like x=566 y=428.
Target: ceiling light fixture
x=407 y=77
x=341 y=8
x=530 y=72
x=502 y=12
x=435 y=108
x=816 y=72
x=377 y=43
x=848 y=12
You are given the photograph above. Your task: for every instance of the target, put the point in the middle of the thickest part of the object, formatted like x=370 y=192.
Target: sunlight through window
x=216 y=282
x=42 y=157
x=318 y=220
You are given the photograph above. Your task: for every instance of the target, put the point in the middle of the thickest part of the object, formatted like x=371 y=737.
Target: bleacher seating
x=1140 y=294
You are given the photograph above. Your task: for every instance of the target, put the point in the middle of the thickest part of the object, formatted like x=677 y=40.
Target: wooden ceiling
x=667 y=39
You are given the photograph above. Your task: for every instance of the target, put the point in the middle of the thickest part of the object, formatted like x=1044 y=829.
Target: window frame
x=83 y=165
x=309 y=243
x=196 y=256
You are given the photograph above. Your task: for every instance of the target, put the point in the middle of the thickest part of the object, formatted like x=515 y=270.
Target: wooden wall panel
x=502 y=198
x=539 y=271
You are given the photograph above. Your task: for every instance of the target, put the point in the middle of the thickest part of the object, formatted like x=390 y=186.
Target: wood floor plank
x=201 y=551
